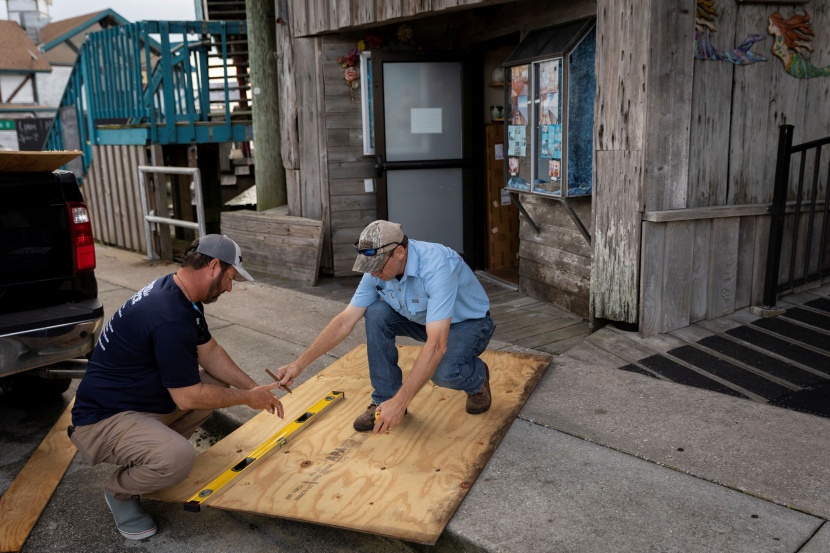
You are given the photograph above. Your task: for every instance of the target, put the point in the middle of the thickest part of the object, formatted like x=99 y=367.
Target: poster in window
x=549 y=109
x=516 y=180
x=517 y=108
x=549 y=76
x=520 y=112
x=550 y=140
x=554 y=169
x=517 y=140
x=549 y=84
x=518 y=81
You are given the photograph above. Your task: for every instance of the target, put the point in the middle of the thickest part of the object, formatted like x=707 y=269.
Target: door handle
x=380 y=166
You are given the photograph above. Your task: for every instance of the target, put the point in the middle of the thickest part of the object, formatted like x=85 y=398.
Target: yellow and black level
x=274 y=442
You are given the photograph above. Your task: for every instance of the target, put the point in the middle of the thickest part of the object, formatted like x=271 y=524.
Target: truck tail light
x=83 y=245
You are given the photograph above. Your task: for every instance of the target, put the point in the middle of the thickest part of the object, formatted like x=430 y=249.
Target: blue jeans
x=459 y=369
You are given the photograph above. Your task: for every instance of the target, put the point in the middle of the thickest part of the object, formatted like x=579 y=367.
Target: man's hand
x=261 y=397
x=391 y=412
x=287 y=373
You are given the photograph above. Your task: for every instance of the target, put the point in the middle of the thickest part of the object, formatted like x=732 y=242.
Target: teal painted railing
x=112 y=98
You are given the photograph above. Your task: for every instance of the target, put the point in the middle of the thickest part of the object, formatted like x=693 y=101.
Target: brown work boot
x=366 y=421
x=480 y=402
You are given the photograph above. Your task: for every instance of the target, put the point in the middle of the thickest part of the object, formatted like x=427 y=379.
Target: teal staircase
x=156 y=82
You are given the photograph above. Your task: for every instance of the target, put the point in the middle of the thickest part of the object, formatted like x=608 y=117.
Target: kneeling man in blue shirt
x=418 y=289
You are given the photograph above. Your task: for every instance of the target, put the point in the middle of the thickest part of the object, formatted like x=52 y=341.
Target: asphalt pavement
x=599 y=460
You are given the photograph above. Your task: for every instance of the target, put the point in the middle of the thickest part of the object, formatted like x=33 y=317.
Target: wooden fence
x=111 y=190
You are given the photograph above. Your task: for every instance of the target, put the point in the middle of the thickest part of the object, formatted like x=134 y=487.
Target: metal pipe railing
x=149 y=218
x=779 y=201
x=774 y=281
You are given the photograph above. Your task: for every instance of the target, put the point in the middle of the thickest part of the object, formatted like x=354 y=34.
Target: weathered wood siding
x=310 y=181
x=709 y=259
x=311 y=17
x=277 y=244
x=111 y=190
x=620 y=111
x=555 y=264
x=326 y=179
x=351 y=206
x=704 y=263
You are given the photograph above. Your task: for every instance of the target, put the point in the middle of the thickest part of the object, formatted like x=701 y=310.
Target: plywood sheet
x=27 y=496
x=405 y=484
x=34 y=161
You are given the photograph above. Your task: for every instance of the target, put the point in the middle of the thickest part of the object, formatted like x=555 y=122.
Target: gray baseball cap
x=219 y=246
x=373 y=246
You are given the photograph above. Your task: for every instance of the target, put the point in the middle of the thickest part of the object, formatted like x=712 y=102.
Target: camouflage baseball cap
x=373 y=247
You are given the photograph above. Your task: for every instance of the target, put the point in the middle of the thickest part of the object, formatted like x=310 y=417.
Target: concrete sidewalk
x=599 y=459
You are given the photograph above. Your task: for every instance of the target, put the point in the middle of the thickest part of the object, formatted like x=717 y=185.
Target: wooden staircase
x=237 y=162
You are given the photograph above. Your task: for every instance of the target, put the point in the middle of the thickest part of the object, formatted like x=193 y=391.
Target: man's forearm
x=205 y=396
x=210 y=396
x=438 y=333
x=422 y=370
x=219 y=365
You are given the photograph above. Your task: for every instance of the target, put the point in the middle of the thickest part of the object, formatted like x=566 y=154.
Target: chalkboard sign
x=31 y=134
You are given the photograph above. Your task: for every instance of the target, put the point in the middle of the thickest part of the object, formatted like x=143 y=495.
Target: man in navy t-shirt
x=143 y=394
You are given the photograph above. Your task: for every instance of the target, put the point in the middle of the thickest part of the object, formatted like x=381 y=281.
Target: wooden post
x=269 y=171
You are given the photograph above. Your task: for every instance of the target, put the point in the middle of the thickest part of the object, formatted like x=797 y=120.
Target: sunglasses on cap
x=371 y=252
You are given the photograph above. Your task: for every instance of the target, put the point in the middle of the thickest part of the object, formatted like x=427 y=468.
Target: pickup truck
x=50 y=314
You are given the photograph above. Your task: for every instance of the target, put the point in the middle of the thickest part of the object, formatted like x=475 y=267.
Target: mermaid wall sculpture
x=791 y=43
x=705 y=15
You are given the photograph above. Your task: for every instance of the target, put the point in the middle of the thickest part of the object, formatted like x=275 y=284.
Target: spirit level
x=273 y=443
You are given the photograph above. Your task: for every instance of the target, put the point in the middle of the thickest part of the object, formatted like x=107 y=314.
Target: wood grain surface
x=404 y=484
x=34 y=161
x=27 y=496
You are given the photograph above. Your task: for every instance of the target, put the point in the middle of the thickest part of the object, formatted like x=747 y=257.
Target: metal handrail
x=149 y=218
x=786 y=149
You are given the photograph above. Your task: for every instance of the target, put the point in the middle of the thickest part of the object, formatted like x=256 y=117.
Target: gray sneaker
x=130 y=518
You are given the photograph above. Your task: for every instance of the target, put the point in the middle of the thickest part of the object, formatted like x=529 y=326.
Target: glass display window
x=517 y=123
x=550 y=111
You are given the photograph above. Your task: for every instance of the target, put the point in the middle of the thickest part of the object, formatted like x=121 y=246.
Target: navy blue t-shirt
x=148 y=346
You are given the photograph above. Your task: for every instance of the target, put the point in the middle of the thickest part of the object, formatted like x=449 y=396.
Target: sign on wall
x=32 y=133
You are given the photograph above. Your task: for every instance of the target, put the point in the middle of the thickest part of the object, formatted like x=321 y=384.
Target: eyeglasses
x=371 y=252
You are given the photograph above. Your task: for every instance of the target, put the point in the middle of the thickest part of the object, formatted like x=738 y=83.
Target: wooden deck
x=520 y=320
x=782 y=361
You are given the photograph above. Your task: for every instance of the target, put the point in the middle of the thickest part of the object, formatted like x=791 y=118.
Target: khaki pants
x=153 y=451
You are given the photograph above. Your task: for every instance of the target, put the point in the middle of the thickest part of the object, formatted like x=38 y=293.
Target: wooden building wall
x=684 y=151
x=312 y=17
x=675 y=136
x=555 y=264
x=705 y=232
x=331 y=166
x=619 y=160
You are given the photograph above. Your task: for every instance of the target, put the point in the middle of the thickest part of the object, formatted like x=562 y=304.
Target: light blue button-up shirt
x=437 y=284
